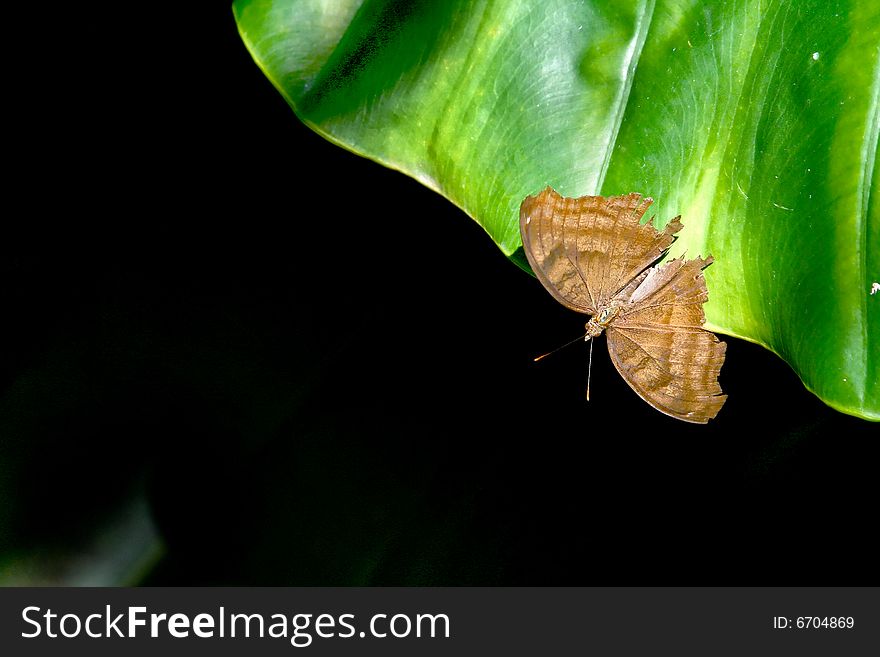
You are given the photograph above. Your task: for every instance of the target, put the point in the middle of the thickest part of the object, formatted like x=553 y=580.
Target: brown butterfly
x=594 y=256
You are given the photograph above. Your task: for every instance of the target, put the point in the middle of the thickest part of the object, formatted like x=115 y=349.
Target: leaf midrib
x=643 y=26
x=868 y=161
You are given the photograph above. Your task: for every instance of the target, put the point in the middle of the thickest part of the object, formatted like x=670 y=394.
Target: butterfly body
x=595 y=256
x=600 y=321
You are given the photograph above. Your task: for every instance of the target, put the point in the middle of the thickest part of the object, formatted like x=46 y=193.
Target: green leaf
x=756 y=120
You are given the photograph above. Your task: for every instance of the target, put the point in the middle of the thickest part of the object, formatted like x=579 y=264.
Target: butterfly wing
x=584 y=250
x=658 y=344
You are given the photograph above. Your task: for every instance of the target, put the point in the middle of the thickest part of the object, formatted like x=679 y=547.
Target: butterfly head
x=600 y=321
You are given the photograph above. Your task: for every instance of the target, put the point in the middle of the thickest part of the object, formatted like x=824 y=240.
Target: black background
x=319 y=372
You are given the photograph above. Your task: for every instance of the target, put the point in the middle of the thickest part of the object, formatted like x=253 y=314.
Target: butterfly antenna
x=589 y=369
x=567 y=344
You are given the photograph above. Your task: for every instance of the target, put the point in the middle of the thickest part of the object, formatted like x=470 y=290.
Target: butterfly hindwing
x=658 y=345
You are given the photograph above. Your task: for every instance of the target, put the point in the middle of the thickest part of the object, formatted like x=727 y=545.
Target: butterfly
x=595 y=256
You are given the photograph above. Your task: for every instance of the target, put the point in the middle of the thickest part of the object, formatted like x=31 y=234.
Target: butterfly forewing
x=549 y=230
x=584 y=250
